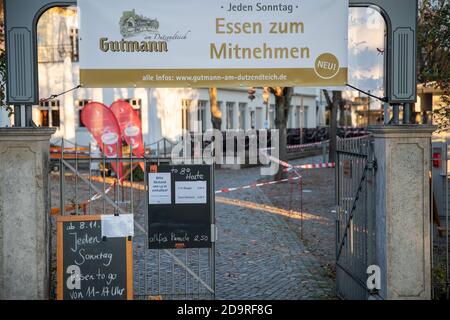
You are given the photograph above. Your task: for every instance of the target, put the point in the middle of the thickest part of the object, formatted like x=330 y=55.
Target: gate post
x=402 y=212
x=24 y=213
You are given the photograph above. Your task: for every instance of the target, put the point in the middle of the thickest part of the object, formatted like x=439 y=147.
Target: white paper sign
x=159 y=188
x=117 y=226
x=190 y=192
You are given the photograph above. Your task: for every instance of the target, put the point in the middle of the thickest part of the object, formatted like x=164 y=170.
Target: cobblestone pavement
x=317 y=204
x=259 y=254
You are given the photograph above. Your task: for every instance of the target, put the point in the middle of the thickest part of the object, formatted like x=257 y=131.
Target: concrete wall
x=24 y=213
x=403 y=210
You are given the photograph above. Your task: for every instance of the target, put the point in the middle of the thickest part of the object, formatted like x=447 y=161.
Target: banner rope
x=383 y=99
x=54 y=96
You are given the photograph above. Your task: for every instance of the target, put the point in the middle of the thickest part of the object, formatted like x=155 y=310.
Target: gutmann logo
x=132 y=25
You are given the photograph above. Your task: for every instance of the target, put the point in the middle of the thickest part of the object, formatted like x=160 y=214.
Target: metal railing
x=355 y=216
x=357 y=144
x=84 y=183
x=161 y=148
x=440 y=224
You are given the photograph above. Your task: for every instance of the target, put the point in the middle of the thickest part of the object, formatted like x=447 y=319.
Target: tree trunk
x=333 y=106
x=333 y=134
x=341 y=114
x=282 y=104
x=216 y=114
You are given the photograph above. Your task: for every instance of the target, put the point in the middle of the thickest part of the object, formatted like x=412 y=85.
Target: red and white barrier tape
x=272 y=158
x=313 y=166
x=99 y=196
x=225 y=190
x=290 y=167
x=280 y=162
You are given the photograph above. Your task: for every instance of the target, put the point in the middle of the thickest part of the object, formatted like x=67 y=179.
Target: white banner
x=203 y=43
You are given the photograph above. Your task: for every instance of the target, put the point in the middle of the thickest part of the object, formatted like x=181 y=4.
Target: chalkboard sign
x=89 y=266
x=180 y=210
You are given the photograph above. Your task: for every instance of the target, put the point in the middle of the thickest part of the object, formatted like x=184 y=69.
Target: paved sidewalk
x=259 y=255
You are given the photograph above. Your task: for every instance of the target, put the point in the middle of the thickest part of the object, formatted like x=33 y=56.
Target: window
x=201 y=113
x=305 y=116
x=49 y=113
x=252 y=119
x=298 y=117
x=220 y=106
x=44 y=118
x=74 y=44
x=290 y=116
x=185 y=119
x=242 y=109
x=79 y=104
x=301 y=117
x=260 y=118
x=318 y=117
x=136 y=104
x=272 y=116
x=230 y=114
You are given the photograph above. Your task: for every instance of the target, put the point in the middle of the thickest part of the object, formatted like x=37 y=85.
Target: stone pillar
x=403 y=210
x=24 y=213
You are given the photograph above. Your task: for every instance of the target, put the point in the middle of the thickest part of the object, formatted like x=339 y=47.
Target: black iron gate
x=355 y=215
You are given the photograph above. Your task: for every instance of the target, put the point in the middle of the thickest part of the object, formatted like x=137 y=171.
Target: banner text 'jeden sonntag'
x=206 y=43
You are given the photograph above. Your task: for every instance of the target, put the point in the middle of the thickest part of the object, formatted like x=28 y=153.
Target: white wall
x=302 y=113
x=161 y=108
x=5 y=121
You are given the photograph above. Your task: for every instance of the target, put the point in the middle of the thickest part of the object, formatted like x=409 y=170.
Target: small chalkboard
x=180 y=209
x=89 y=266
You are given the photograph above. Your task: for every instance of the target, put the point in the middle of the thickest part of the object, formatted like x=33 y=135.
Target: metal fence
x=82 y=182
x=355 y=239
x=440 y=240
x=355 y=218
